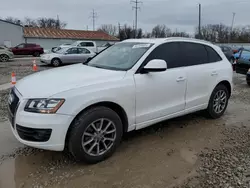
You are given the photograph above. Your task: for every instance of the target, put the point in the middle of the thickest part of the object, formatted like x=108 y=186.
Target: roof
x=169 y=39
x=10 y=23
x=51 y=33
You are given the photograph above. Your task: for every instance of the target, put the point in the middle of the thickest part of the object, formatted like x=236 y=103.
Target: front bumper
x=45 y=61
x=33 y=129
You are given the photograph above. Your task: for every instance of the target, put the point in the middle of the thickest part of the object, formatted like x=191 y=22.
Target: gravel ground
x=187 y=152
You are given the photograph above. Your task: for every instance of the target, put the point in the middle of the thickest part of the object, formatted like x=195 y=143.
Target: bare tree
x=13 y=20
x=109 y=28
x=40 y=22
x=160 y=31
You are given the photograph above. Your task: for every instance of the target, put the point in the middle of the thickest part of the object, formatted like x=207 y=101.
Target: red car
x=28 y=49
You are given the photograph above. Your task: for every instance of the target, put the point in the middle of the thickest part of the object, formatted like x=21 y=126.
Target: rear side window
x=89 y=44
x=213 y=56
x=170 y=52
x=193 y=54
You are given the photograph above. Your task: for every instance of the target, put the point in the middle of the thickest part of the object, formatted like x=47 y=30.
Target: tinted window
x=72 y=51
x=83 y=51
x=213 y=56
x=193 y=54
x=90 y=44
x=30 y=45
x=170 y=52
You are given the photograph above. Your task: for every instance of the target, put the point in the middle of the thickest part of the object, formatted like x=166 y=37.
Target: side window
x=20 y=46
x=213 y=56
x=193 y=54
x=83 y=51
x=90 y=44
x=72 y=51
x=83 y=44
x=170 y=52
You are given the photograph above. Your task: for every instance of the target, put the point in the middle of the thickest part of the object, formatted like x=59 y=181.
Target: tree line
x=221 y=33
x=42 y=22
x=218 y=33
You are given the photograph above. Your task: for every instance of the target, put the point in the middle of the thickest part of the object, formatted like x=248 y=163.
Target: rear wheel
x=36 y=54
x=218 y=102
x=56 y=62
x=4 y=58
x=95 y=135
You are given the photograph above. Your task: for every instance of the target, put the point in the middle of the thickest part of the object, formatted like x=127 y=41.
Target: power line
x=136 y=8
x=93 y=18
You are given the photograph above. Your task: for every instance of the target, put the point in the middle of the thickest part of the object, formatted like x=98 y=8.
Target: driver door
x=161 y=94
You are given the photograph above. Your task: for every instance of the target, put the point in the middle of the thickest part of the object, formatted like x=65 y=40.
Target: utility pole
x=232 y=25
x=136 y=8
x=199 y=21
x=93 y=17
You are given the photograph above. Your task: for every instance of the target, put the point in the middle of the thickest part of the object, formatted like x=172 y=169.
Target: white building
x=14 y=34
x=10 y=34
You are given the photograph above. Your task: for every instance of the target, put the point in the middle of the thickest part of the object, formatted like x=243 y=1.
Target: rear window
x=213 y=56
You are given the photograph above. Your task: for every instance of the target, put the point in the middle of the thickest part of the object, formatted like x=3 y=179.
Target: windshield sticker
x=141 y=46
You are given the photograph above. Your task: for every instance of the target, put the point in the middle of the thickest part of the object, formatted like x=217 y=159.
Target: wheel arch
x=227 y=84
x=112 y=105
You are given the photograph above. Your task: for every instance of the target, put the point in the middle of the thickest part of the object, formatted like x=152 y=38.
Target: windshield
x=62 y=50
x=121 y=56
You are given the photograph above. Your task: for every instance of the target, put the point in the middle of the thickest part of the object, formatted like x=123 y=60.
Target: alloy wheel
x=220 y=101
x=99 y=137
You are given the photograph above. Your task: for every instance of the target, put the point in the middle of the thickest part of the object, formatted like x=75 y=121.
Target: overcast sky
x=176 y=14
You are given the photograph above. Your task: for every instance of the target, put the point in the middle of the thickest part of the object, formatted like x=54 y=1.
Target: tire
x=4 y=58
x=36 y=54
x=56 y=62
x=211 y=109
x=79 y=138
x=248 y=83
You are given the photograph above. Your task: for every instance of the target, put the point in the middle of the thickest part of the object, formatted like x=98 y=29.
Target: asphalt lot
x=190 y=151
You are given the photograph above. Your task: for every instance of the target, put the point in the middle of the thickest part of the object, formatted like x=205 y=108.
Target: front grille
x=13 y=101
x=33 y=135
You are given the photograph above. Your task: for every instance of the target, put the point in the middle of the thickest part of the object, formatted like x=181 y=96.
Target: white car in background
x=86 y=108
x=67 y=55
x=91 y=45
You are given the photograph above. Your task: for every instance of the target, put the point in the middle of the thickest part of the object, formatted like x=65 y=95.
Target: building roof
x=51 y=33
x=10 y=23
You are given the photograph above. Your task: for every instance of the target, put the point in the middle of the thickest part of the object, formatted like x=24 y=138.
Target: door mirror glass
x=155 y=65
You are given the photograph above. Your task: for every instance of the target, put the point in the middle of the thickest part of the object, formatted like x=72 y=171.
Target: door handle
x=180 y=79
x=214 y=73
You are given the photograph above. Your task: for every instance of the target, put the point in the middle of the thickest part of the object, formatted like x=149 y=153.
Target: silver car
x=67 y=55
x=5 y=54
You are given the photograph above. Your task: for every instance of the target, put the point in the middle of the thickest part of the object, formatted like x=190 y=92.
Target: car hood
x=47 y=83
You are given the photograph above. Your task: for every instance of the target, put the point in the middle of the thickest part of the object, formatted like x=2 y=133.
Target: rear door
x=202 y=67
x=71 y=56
x=83 y=54
x=243 y=63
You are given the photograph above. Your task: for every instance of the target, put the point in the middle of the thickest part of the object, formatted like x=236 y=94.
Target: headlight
x=44 y=106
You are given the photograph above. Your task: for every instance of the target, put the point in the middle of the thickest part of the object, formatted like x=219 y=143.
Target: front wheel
x=218 y=102
x=36 y=54
x=95 y=135
x=4 y=58
x=55 y=62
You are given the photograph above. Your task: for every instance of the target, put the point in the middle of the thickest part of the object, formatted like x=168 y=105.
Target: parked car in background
x=228 y=53
x=5 y=54
x=28 y=49
x=67 y=55
x=91 y=45
x=243 y=63
x=86 y=108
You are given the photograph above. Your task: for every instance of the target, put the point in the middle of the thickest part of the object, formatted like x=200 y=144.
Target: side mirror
x=155 y=65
